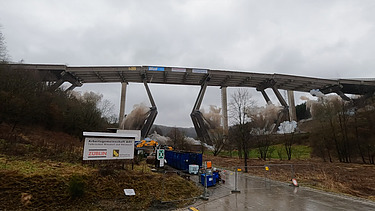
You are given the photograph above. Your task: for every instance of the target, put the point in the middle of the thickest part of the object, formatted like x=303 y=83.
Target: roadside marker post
x=295 y=183
x=266 y=180
x=205 y=193
x=160 y=156
x=236 y=181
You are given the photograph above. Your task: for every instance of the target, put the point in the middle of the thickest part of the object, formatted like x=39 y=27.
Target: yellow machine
x=148 y=143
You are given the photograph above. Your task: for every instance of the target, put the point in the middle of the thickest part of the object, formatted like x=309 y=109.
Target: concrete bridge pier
x=292 y=106
x=122 y=103
x=224 y=106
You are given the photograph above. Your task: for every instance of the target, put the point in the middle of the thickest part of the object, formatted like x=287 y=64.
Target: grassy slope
x=274 y=152
x=49 y=170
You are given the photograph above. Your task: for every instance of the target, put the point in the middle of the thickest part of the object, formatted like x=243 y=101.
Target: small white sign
x=162 y=163
x=160 y=153
x=129 y=192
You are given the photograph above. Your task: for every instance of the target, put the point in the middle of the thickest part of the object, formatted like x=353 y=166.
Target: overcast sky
x=320 y=38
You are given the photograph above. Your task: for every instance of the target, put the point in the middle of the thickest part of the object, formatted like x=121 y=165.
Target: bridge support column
x=292 y=106
x=285 y=112
x=122 y=103
x=200 y=125
x=224 y=105
x=279 y=97
x=152 y=113
x=266 y=96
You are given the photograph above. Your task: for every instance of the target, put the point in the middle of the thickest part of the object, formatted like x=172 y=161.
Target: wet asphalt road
x=262 y=194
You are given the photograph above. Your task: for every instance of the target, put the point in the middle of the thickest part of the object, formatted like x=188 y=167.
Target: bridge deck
x=193 y=76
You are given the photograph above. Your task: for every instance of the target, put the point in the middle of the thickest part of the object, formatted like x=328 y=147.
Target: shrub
x=76 y=186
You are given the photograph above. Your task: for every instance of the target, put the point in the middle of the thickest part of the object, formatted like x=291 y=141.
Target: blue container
x=216 y=176
x=182 y=160
x=195 y=158
x=211 y=181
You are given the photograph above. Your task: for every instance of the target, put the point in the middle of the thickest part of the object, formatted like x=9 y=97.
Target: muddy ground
x=347 y=178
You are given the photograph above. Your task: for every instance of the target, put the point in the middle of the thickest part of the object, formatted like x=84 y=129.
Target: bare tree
x=343 y=128
x=262 y=141
x=238 y=108
x=218 y=140
x=178 y=138
x=288 y=128
x=216 y=132
x=262 y=125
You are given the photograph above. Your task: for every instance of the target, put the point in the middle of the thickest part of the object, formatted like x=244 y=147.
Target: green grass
x=32 y=167
x=275 y=152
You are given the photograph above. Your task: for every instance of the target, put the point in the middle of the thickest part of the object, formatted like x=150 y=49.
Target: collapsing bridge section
x=141 y=118
x=152 y=114
x=284 y=113
x=200 y=124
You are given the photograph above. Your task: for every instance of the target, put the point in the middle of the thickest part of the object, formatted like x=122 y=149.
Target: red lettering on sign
x=97 y=153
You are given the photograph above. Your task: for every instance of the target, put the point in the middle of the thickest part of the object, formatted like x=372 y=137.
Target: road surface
x=263 y=194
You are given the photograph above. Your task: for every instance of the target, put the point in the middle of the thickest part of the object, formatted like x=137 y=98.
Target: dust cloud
x=213 y=117
x=136 y=119
x=264 y=118
x=315 y=105
x=160 y=139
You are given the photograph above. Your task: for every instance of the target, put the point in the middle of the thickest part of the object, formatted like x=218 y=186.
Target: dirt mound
x=36 y=185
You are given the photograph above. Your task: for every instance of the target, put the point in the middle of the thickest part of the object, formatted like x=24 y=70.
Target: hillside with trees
x=336 y=130
x=341 y=131
x=27 y=100
x=41 y=152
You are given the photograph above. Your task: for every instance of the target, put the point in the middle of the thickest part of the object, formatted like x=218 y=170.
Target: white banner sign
x=107 y=146
x=199 y=71
x=179 y=70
